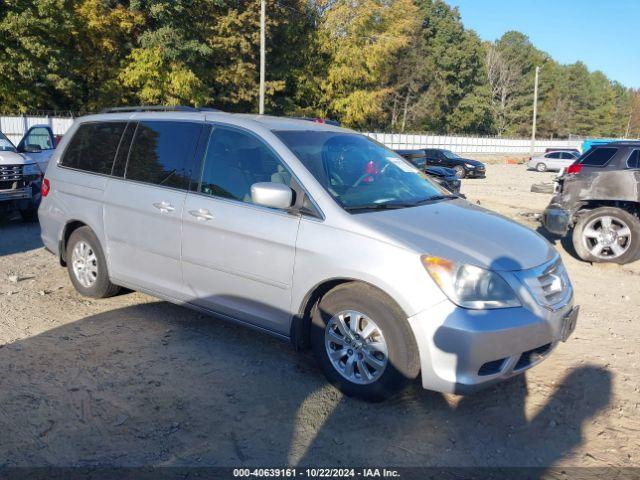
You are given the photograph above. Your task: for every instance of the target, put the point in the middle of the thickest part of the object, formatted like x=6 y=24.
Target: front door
x=143 y=211
x=238 y=257
x=41 y=137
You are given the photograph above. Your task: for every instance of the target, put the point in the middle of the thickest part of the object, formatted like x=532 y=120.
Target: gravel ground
x=136 y=381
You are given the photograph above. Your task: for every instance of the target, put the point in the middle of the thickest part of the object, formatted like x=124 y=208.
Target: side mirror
x=274 y=195
x=30 y=148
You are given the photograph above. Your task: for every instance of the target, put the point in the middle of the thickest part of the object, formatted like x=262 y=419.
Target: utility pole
x=263 y=27
x=535 y=112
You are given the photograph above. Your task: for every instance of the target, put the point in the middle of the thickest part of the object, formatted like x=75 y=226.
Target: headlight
x=468 y=165
x=31 y=169
x=469 y=286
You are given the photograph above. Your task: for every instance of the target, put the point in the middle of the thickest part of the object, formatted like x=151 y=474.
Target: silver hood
x=12 y=158
x=463 y=232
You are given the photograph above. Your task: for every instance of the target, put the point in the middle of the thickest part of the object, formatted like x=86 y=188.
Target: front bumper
x=475 y=173
x=556 y=220
x=464 y=350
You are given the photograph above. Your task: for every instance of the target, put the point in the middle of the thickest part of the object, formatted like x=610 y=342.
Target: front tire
x=460 y=173
x=87 y=265
x=607 y=234
x=363 y=342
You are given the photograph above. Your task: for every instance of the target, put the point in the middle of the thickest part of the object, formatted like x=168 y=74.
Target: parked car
x=446 y=177
x=312 y=233
x=21 y=171
x=552 y=161
x=464 y=167
x=598 y=204
x=571 y=150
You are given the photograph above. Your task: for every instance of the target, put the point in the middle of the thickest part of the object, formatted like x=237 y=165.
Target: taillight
x=45 y=188
x=574 y=168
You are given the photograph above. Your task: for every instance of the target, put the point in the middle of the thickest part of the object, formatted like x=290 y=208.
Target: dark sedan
x=438 y=157
x=442 y=175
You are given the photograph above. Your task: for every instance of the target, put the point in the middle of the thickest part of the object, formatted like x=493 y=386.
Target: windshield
x=450 y=154
x=5 y=144
x=358 y=172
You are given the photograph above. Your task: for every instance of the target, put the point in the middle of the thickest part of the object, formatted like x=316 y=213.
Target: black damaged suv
x=598 y=201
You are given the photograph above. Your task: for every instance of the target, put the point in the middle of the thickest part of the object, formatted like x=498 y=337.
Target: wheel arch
x=301 y=322
x=69 y=227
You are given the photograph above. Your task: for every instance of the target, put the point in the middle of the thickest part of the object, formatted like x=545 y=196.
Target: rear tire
x=541 y=167
x=607 y=234
x=87 y=265
x=360 y=367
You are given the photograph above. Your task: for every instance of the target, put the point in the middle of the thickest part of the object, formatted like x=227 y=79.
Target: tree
x=362 y=39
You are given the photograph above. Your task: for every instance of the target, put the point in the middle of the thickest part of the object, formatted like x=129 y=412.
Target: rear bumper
x=556 y=220
x=471 y=349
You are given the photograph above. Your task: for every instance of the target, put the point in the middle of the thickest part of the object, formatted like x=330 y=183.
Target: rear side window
x=598 y=157
x=93 y=147
x=634 y=159
x=568 y=156
x=162 y=153
x=553 y=155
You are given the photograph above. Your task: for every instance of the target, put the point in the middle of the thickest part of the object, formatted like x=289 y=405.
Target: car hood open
x=463 y=232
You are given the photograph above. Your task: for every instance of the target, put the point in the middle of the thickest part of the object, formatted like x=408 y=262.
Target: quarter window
x=93 y=147
x=634 y=159
x=598 y=157
x=162 y=153
x=235 y=160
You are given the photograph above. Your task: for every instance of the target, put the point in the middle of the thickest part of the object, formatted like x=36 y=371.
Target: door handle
x=201 y=214
x=164 y=207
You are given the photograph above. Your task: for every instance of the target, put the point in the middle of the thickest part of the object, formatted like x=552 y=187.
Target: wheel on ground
x=459 y=169
x=87 y=266
x=607 y=234
x=363 y=342
x=541 y=167
x=29 y=214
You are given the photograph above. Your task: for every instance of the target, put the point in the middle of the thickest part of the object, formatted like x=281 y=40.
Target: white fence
x=461 y=144
x=15 y=127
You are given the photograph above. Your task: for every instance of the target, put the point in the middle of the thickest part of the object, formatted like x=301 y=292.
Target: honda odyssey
x=309 y=232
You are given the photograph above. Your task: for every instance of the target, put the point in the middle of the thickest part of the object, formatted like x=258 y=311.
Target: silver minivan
x=309 y=232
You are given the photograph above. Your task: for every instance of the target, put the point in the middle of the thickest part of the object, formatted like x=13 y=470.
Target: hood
x=12 y=158
x=440 y=171
x=463 y=232
x=472 y=162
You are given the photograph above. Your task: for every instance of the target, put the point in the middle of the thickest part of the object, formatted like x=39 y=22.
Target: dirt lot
x=136 y=381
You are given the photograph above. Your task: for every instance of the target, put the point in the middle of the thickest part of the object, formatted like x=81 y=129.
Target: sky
x=604 y=34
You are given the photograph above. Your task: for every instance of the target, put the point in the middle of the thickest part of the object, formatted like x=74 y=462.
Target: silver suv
x=312 y=233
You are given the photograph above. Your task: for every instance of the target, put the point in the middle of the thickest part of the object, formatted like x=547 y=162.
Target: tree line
x=393 y=65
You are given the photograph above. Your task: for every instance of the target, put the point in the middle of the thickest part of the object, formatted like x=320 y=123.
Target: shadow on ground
x=156 y=384
x=17 y=235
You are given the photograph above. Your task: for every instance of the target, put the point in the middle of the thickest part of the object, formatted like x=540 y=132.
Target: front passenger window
x=235 y=160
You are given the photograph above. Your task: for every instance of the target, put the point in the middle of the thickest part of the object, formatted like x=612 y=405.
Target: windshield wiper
x=435 y=198
x=377 y=206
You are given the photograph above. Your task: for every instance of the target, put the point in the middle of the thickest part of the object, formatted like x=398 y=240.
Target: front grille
x=553 y=284
x=10 y=177
x=530 y=357
x=549 y=284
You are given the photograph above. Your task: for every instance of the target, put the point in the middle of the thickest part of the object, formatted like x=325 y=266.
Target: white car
x=554 y=161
